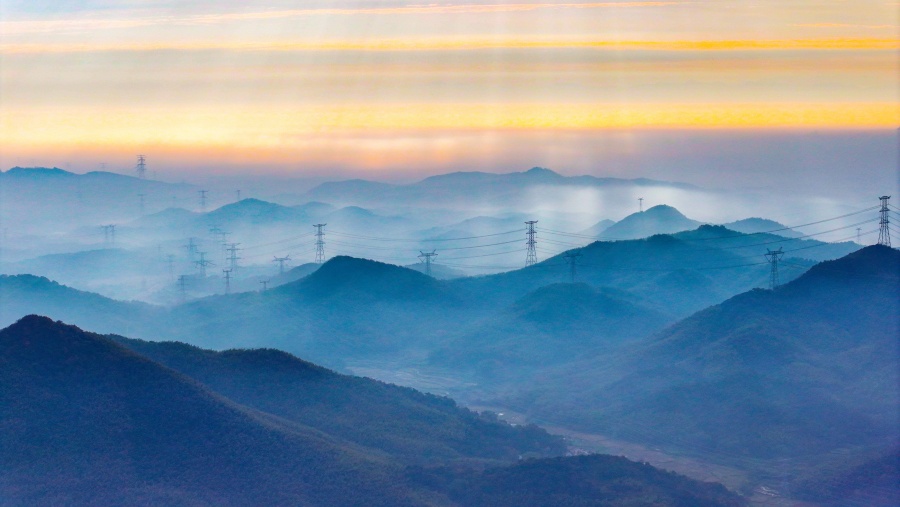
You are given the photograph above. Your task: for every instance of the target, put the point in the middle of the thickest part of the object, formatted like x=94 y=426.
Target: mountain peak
x=344 y=275
x=38 y=172
x=876 y=261
x=664 y=209
x=541 y=171
x=659 y=219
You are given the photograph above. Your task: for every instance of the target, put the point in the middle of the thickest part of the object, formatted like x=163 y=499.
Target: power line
x=425 y=240
x=787 y=228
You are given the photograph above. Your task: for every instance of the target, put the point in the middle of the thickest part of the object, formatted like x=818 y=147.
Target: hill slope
x=800 y=372
x=85 y=421
x=659 y=219
x=409 y=425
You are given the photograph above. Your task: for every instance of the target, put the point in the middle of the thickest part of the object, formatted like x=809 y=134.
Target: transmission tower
x=202 y=264
x=773 y=256
x=202 y=199
x=572 y=261
x=170 y=260
x=427 y=258
x=191 y=249
x=227 y=273
x=182 y=283
x=109 y=234
x=232 y=255
x=141 y=196
x=265 y=284
x=858 y=236
x=641 y=204
x=281 y=261
x=238 y=194
x=884 y=233
x=141 y=166
x=530 y=244
x=320 y=243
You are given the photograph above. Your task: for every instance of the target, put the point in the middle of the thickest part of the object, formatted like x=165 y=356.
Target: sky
x=756 y=93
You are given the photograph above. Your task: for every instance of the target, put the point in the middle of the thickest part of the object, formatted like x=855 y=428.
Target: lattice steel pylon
x=427 y=256
x=773 y=256
x=530 y=244
x=320 y=243
x=884 y=233
x=141 y=166
x=572 y=260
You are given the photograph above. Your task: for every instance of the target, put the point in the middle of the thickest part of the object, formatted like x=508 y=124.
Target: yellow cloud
x=261 y=128
x=81 y=25
x=475 y=44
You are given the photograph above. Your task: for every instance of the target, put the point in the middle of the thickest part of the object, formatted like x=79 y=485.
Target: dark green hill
x=754 y=245
x=87 y=422
x=347 y=308
x=582 y=481
x=557 y=323
x=873 y=482
x=798 y=373
x=352 y=278
x=659 y=219
x=640 y=266
x=409 y=425
x=22 y=295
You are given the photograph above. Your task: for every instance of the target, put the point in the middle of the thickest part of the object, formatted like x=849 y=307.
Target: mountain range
x=473 y=189
x=88 y=421
x=807 y=371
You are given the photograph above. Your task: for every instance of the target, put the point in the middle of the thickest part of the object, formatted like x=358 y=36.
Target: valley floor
x=448 y=383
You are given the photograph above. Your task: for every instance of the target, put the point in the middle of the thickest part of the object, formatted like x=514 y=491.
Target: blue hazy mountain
x=467 y=187
x=659 y=219
x=583 y=481
x=109 y=425
x=22 y=295
x=68 y=199
x=761 y=225
x=554 y=324
x=645 y=267
x=598 y=229
x=400 y=421
x=244 y=213
x=102 y=270
x=438 y=271
x=258 y=218
x=365 y=307
x=799 y=250
x=807 y=372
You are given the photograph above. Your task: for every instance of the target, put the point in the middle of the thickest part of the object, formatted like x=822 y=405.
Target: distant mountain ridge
x=466 y=187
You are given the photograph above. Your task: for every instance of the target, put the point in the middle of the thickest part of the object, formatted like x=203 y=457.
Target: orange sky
x=214 y=77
